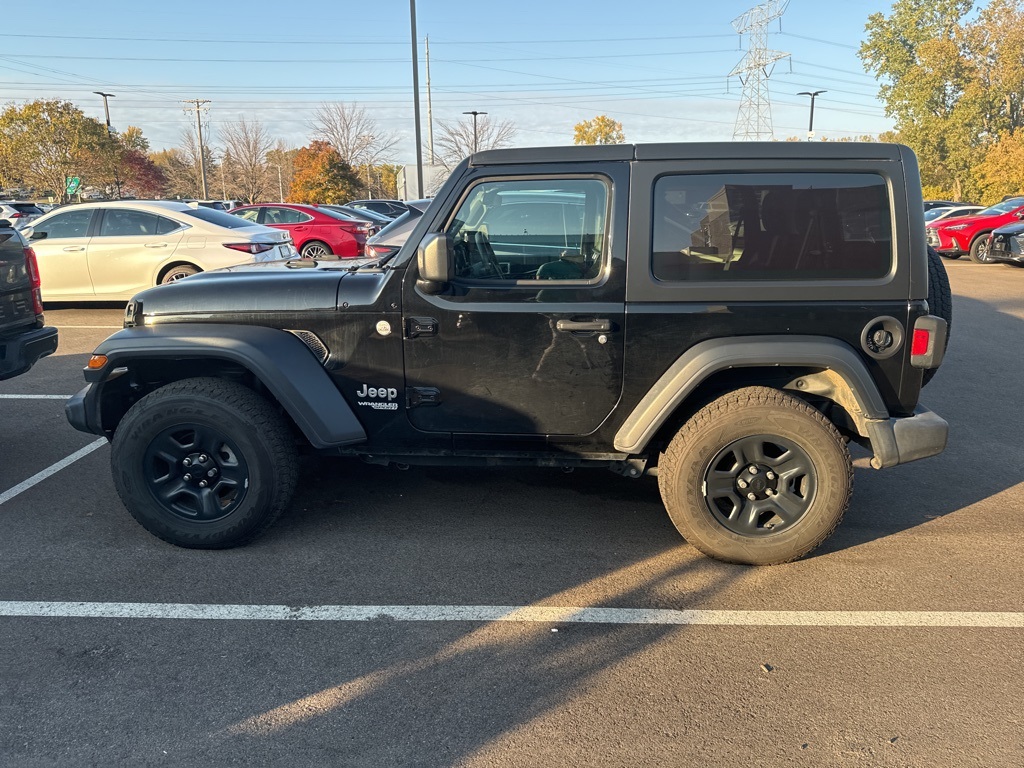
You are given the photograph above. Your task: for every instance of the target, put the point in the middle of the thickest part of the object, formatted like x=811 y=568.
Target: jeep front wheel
x=204 y=463
x=757 y=477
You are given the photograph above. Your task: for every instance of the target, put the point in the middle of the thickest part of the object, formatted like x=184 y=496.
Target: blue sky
x=658 y=67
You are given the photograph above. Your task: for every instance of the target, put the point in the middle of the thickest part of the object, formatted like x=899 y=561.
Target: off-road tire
x=753 y=414
x=940 y=301
x=979 y=250
x=242 y=438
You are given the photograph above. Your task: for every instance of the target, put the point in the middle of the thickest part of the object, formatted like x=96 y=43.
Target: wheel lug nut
x=741 y=483
x=752 y=497
x=203 y=457
x=187 y=463
x=752 y=469
x=187 y=477
x=202 y=483
x=770 y=475
x=212 y=472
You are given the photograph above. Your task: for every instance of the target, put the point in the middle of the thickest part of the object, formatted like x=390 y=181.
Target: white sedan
x=111 y=251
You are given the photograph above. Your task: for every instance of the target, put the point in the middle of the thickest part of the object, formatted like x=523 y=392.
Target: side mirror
x=435 y=263
x=33 y=235
x=1019 y=214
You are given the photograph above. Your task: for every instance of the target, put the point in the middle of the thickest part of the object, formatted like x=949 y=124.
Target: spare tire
x=940 y=300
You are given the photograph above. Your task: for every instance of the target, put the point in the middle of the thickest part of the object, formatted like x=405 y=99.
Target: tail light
x=33 y=275
x=252 y=248
x=379 y=251
x=928 y=343
x=16 y=215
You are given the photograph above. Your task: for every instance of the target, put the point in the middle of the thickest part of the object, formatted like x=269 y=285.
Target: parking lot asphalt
x=120 y=649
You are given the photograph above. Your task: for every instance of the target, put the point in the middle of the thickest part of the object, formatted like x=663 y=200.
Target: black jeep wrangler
x=726 y=317
x=24 y=338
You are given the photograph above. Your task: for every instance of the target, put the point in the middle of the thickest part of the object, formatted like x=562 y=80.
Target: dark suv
x=23 y=336
x=726 y=317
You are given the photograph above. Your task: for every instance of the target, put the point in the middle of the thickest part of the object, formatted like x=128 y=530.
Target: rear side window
x=28 y=209
x=165 y=226
x=220 y=218
x=121 y=223
x=771 y=226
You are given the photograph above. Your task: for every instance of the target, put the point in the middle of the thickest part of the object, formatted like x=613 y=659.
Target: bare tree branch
x=353 y=133
x=246 y=146
x=456 y=139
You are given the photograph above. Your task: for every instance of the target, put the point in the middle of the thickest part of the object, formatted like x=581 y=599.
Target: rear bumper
x=19 y=353
x=901 y=440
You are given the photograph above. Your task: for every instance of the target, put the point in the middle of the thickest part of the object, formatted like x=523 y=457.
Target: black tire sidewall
x=689 y=511
x=132 y=440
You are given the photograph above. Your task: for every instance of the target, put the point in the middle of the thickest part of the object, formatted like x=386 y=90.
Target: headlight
x=959 y=226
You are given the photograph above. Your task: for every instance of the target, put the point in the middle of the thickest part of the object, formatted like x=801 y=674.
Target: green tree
x=601 y=130
x=321 y=176
x=47 y=140
x=952 y=85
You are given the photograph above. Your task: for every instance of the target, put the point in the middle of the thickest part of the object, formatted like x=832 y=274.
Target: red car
x=317 y=232
x=956 y=236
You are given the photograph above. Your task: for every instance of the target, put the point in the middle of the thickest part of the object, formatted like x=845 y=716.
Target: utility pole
x=810 y=123
x=280 y=184
x=416 y=100
x=754 y=120
x=474 y=113
x=199 y=129
x=430 y=110
x=106 y=107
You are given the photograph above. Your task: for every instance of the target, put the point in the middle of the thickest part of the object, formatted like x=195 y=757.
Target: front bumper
x=82 y=410
x=19 y=353
x=909 y=438
x=1007 y=248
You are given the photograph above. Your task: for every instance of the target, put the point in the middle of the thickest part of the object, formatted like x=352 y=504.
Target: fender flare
x=277 y=358
x=709 y=357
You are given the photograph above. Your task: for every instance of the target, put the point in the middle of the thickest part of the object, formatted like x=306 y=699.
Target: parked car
x=112 y=250
x=392 y=208
x=393 y=236
x=378 y=220
x=23 y=336
x=317 y=232
x=956 y=236
x=19 y=214
x=1006 y=244
x=949 y=211
x=929 y=204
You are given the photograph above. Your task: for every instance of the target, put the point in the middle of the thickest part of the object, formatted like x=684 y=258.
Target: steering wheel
x=485 y=254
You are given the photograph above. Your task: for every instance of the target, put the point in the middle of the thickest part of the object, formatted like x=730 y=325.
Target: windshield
x=1004 y=207
x=221 y=219
x=934 y=213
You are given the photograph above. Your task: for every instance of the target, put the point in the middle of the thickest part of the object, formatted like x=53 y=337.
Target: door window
x=276 y=215
x=249 y=214
x=69 y=224
x=536 y=229
x=165 y=226
x=118 y=222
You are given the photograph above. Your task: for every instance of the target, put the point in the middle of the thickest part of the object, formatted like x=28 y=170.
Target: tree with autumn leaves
x=320 y=175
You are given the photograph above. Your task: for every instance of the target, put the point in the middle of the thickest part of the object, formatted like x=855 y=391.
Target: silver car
x=111 y=251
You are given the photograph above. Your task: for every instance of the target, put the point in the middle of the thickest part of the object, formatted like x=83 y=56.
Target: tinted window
x=336 y=215
x=274 y=215
x=28 y=209
x=249 y=214
x=219 y=218
x=165 y=225
x=771 y=227
x=69 y=224
x=121 y=223
x=535 y=229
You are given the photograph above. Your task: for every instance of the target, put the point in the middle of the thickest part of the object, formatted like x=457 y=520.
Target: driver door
x=528 y=337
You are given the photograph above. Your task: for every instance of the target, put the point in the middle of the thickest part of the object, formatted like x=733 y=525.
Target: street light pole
x=106 y=107
x=810 y=124
x=474 y=113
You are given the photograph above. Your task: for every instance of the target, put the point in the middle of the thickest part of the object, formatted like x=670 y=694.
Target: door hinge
x=415 y=396
x=420 y=326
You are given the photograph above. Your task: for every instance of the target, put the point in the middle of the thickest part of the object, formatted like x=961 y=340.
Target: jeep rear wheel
x=940 y=301
x=757 y=477
x=204 y=463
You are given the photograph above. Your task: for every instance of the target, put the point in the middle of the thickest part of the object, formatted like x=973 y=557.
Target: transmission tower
x=754 y=120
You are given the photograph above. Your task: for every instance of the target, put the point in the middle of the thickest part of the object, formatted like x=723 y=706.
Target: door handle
x=156 y=245
x=584 y=325
x=74 y=248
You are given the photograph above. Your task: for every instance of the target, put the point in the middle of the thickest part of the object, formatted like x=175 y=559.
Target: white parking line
x=517 y=614
x=51 y=470
x=103 y=327
x=35 y=397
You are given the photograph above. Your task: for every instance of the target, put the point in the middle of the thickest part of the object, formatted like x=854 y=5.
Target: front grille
x=311 y=340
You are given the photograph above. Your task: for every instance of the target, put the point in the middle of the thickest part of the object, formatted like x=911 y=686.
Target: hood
x=1010 y=229
x=271 y=286
x=957 y=220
